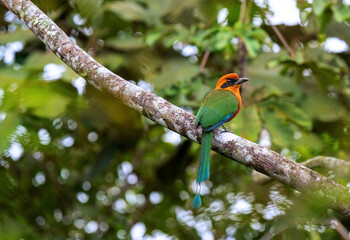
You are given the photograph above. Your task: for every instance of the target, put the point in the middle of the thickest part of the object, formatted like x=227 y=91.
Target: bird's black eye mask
x=229 y=82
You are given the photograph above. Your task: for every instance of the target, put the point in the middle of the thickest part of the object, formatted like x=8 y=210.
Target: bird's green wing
x=216 y=106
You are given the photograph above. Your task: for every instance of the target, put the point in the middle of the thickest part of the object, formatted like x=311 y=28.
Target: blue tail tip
x=206 y=176
x=197 y=202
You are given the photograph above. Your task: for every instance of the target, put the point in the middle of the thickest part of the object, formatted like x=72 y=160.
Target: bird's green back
x=217 y=105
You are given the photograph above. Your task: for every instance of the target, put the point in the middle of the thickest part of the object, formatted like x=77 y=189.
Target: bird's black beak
x=241 y=80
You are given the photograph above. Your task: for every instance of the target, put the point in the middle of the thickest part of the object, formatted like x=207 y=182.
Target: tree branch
x=334 y=223
x=339 y=167
x=164 y=113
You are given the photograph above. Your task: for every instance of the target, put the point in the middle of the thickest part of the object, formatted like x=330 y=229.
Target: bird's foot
x=225 y=131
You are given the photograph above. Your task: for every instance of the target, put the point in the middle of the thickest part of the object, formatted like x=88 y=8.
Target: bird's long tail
x=203 y=168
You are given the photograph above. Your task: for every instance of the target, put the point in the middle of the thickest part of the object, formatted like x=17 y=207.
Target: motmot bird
x=220 y=106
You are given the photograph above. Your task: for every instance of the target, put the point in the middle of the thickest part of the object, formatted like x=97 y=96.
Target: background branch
x=242 y=51
x=280 y=37
x=338 y=166
x=334 y=223
x=164 y=113
x=204 y=61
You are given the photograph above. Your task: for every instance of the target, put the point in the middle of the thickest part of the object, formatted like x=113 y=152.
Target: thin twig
x=242 y=58
x=280 y=37
x=242 y=51
x=339 y=227
x=204 y=61
x=242 y=12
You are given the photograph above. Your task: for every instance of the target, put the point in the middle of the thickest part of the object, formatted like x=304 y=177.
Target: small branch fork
x=165 y=114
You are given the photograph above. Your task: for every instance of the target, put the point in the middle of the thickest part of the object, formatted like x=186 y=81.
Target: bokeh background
x=76 y=164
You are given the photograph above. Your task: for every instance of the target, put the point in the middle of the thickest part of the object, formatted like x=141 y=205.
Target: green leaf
x=127 y=43
x=269 y=81
x=8 y=187
x=37 y=60
x=259 y=34
x=204 y=36
x=250 y=37
x=69 y=74
x=111 y=60
x=324 y=20
x=281 y=131
x=151 y=38
x=323 y=108
x=172 y=71
x=308 y=144
x=294 y=114
x=90 y=10
x=339 y=30
x=102 y=160
x=314 y=235
x=341 y=12
x=319 y=6
x=10 y=76
x=221 y=40
x=205 y=9
x=156 y=9
x=18 y=35
x=128 y=10
x=7 y=127
x=45 y=99
x=178 y=33
x=252 y=45
x=247 y=123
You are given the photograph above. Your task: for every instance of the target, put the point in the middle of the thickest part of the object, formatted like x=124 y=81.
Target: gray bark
x=164 y=113
x=336 y=166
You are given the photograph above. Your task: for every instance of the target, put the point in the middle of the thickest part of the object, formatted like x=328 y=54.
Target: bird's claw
x=225 y=130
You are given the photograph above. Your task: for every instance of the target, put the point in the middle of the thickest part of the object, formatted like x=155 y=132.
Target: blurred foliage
x=78 y=165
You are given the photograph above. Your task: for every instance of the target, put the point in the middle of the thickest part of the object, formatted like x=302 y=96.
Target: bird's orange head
x=230 y=82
